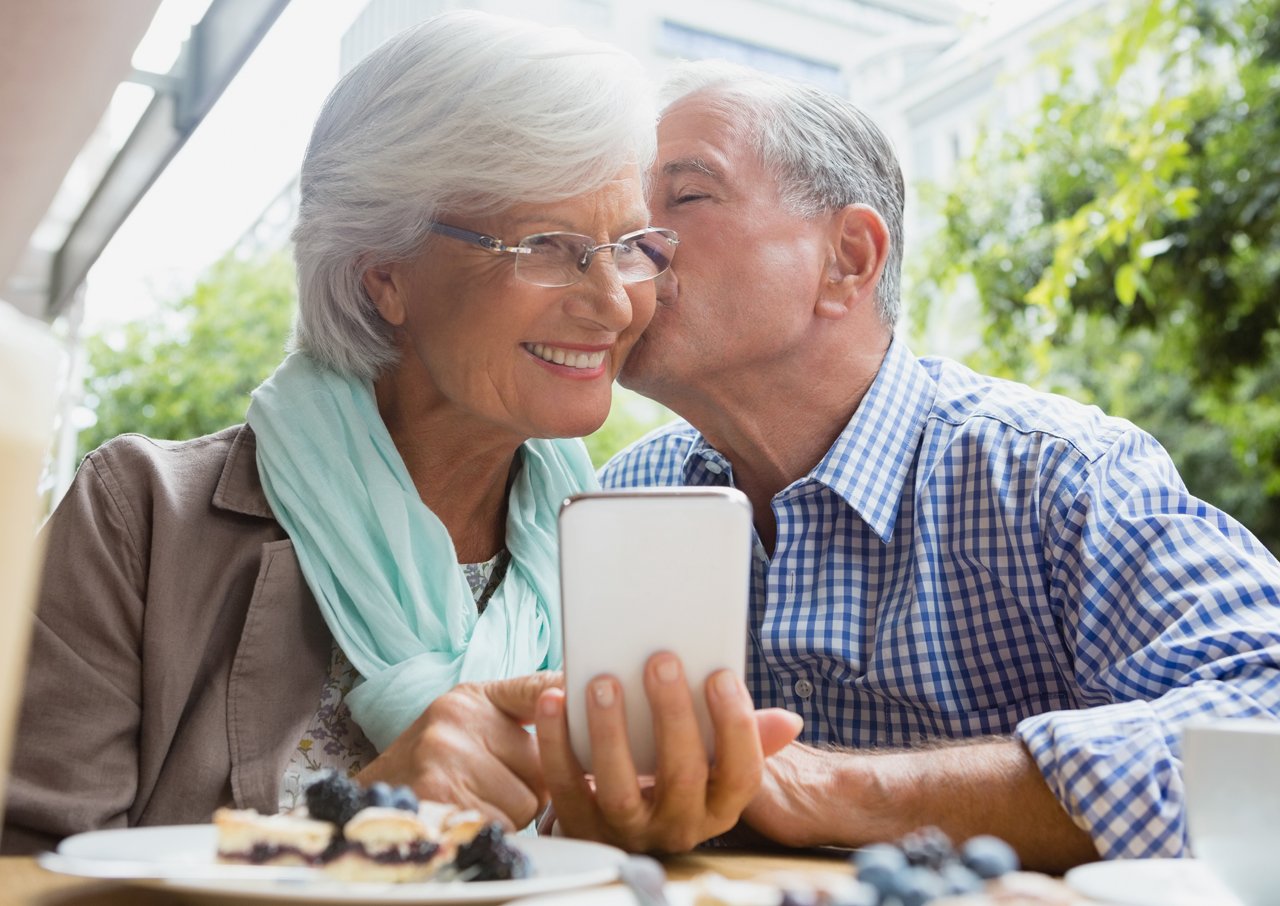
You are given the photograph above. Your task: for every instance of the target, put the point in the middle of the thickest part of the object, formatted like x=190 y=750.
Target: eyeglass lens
x=561 y=259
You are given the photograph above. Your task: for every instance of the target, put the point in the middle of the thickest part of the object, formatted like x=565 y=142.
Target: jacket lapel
x=284 y=650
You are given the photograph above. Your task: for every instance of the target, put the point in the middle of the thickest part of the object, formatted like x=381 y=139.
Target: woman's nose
x=601 y=297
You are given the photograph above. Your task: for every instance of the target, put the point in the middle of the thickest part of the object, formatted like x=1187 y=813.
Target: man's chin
x=635 y=373
x=647 y=381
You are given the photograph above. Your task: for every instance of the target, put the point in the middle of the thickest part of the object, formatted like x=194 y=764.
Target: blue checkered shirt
x=972 y=557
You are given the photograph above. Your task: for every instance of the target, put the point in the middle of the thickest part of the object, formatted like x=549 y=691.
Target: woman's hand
x=690 y=800
x=470 y=748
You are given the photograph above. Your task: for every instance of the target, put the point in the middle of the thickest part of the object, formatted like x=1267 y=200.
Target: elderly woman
x=330 y=584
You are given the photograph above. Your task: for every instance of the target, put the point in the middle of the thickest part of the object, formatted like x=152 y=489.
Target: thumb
x=518 y=696
x=778 y=728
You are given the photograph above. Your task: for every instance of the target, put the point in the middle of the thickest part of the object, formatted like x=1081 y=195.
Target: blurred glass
x=31 y=368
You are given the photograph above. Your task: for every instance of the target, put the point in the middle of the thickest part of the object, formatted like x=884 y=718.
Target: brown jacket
x=177 y=655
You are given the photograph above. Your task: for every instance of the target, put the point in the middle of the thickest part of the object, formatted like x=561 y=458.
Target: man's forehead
x=697 y=135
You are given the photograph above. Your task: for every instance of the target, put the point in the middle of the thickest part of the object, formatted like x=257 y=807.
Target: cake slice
x=246 y=837
x=378 y=834
x=387 y=844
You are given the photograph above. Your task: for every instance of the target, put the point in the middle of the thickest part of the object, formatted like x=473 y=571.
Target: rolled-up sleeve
x=1171 y=611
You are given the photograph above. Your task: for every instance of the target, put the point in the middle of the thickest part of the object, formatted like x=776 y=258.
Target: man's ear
x=855 y=260
x=384 y=289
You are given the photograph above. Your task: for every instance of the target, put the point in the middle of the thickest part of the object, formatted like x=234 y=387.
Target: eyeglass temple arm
x=492 y=243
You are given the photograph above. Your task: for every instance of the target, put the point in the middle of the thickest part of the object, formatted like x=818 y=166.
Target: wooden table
x=23 y=883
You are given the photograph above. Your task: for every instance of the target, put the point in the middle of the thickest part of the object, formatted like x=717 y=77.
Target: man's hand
x=815 y=797
x=799 y=788
x=690 y=800
x=470 y=748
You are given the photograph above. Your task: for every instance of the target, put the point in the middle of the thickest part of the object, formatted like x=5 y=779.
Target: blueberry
x=935 y=847
x=916 y=848
x=918 y=885
x=879 y=865
x=333 y=797
x=402 y=797
x=959 y=879
x=379 y=795
x=489 y=857
x=988 y=857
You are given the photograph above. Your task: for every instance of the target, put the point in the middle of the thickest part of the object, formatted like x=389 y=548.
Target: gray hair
x=823 y=152
x=464 y=112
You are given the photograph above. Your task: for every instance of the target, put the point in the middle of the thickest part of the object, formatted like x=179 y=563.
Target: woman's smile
x=571 y=360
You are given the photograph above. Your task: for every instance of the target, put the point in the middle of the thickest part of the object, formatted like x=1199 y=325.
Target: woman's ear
x=855 y=260
x=384 y=291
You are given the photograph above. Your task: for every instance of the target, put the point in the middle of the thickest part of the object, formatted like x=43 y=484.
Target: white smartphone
x=648 y=570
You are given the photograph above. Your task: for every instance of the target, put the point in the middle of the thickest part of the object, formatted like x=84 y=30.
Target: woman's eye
x=684 y=197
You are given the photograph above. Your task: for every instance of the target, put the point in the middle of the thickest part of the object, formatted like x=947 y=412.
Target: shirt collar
x=240 y=489
x=705 y=465
x=870 y=461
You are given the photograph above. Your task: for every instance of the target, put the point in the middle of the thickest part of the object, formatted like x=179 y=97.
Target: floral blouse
x=334 y=740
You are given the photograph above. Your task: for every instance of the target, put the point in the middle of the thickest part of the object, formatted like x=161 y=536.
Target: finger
x=735 y=776
x=455 y=764
x=618 y=797
x=518 y=697
x=681 y=779
x=571 y=795
x=778 y=728
x=482 y=783
x=517 y=750
x=464 y=724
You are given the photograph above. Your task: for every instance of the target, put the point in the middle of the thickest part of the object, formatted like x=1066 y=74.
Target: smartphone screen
x=649 y=570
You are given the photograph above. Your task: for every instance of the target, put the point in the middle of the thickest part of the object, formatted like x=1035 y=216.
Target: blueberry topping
x=402 y=797
x=378 y=795
x=489 y=857
x=333 y=797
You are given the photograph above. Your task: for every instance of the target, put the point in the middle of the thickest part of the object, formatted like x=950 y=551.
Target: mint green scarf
x=383 y=567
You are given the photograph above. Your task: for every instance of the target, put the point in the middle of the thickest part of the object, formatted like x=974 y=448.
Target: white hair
x=465 y=112
x=823 y=152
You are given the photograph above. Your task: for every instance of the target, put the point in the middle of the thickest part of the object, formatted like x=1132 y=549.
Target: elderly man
x=994 y=608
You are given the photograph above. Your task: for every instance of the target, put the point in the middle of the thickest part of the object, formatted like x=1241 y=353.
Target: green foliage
x=1124 y=242
x=631 y=417
x=189 y=370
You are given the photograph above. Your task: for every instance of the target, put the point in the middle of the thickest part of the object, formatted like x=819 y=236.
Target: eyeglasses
x=562 y=259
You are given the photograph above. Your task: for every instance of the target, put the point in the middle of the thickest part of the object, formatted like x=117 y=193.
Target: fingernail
x=667 y=671
x=549 y=705
x=726 y=684
x=603 y=691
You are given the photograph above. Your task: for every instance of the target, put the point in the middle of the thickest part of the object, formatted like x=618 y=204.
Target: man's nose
x=667 y=286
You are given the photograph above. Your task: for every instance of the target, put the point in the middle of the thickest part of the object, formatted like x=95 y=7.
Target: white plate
x=1150 y=882
x=708 y=888
x=558 y=864
x=678 y=894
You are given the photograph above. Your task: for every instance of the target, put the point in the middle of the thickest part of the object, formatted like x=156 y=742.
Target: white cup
x=30 y=375
x=1231 y=769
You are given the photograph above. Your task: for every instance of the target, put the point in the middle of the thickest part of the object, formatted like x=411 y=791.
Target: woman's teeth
x=567 y=357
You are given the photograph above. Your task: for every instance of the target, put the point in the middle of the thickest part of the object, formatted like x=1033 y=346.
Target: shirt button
x=713 y=467
x=803 y=688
